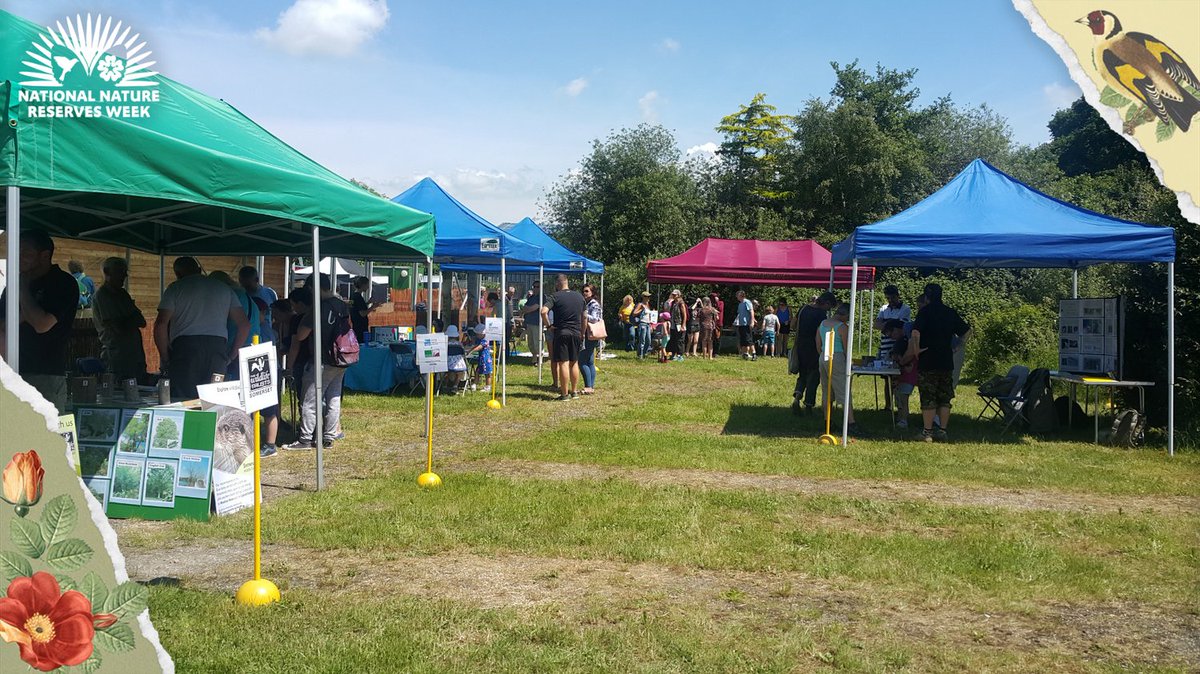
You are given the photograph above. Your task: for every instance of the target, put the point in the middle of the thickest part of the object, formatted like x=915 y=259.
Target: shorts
x=904 y=389
x=564 y=348
x=937 y=388
x=839 y=380
x=769 y=337
x=744 y=336
x=456 y=364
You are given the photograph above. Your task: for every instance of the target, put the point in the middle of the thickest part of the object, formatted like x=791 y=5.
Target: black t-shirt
x=333 y=308
x=807 y=324
x=358 y=314
x=57 y=293
x=567 y=306
x=938 y=325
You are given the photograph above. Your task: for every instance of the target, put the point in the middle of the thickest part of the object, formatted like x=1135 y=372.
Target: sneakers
x=939 y=434
x=936 y=434
x=299 y=445
x=902 y=424
x=563 y=398
x=745 y=356
x=796 y=407
x=574 y=395
x=340 y=436
x=266 y=451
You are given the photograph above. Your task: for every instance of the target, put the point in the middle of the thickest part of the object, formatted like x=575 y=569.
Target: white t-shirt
x=770 y=322
x=199 y=306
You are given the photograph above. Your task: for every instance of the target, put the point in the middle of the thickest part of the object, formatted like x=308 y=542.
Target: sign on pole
x=258 y=368
x=494 y=329
x=431 y=352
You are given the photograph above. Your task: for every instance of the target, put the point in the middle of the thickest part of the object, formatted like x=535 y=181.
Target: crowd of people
x=926 y=350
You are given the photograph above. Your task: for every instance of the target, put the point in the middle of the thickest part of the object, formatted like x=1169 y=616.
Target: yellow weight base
x=827 y=440
x=257 y=593
x=494 y=404
x=429 y=480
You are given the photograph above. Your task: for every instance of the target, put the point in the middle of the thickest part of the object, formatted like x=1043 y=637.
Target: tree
x=160 y=484
x=368 y=188
x=755 y=139
x=166 y=434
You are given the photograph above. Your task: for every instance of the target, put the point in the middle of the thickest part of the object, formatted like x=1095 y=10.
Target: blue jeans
x=587 y=363
x=643 y=339
x=630 y=336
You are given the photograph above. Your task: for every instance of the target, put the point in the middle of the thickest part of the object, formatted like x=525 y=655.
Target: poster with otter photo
x=232 y=459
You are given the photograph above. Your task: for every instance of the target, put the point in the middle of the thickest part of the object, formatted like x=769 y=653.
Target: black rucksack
x=1128 y=429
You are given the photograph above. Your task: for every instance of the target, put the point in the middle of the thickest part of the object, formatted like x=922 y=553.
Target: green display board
x=151 y=462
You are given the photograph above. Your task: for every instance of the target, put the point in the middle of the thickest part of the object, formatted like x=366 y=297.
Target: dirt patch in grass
x=878 y=490
x=1127 y=633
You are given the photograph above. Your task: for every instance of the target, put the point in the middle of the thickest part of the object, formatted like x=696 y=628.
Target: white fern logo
x=89 y=45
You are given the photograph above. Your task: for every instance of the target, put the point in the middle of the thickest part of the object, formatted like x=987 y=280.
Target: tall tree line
x=865 y=152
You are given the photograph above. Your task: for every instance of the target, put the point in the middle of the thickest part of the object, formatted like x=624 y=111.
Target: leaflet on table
x=66 y=428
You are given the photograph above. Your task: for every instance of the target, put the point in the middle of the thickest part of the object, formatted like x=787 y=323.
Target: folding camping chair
x=998 y=400
x=407 y=373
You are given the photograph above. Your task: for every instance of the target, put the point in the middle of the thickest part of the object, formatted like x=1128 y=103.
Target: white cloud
x=1061 y=95
x=330 y=27
x=648 y=104
x=670 y=44
x=576 y=86
x=704 y=148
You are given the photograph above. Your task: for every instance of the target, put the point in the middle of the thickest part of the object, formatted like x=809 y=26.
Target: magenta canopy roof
x=752 y=262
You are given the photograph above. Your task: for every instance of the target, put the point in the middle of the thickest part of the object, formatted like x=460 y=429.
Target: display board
x=1091 y=335
x=154 y=463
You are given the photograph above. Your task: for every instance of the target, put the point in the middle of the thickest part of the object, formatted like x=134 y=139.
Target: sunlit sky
x=497 y=100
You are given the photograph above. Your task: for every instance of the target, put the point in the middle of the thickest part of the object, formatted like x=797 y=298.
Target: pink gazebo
x=751 y=262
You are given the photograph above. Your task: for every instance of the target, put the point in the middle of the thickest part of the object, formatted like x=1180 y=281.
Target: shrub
x=1019 y=335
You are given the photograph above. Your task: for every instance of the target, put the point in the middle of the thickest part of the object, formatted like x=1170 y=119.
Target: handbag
x=597 y=331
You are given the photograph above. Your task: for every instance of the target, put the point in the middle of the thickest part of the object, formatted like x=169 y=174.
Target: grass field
x=683 y=520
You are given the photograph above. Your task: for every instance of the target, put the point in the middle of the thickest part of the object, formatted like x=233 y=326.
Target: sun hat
x=645 y=293
x=452 y=331
x=480 y=329
x=665 y=316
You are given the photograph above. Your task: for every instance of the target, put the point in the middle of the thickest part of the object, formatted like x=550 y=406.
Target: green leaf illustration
x=92 y=664
x=1111 y=98
x=116 y=638
x=94 y=589
x=1132 y=113
x=13 y=564
x=27 y=536
x=1163 y=131
x=69 y=554
x=126 y=600
x=66 y=583
x=58 y=519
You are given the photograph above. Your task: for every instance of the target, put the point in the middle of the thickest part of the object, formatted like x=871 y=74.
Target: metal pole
x=259 y=264
x=849 y=358
x=12 y=310
x=370 y=280
x=1075 y=283
x=1171 y=359
x=162 y=275
x=506 y=317
x=287 y=277
x=831 y=268
x=429 y=300
x=429 y=379
x=318 y=319
x=540 y=329
x=871 y=324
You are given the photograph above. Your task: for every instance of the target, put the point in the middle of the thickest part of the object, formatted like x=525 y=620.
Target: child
x=483 y=369
x=903 y=385
x=456 y=362
x=770 y=323
x=662 y=335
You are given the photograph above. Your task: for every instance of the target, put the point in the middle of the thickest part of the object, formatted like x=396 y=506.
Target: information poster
x=232 y=460
x=158 y=465
x=1090 y=335
x=494 y=329
x=431 y=352
x=66 y=428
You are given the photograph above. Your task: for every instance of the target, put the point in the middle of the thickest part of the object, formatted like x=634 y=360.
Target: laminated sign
x=489 y=245
x=494 y=329
x=258 y=368
x=431 y=352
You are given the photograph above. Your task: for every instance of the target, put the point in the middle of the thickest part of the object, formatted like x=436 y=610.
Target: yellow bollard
x=429 y=479
x=494 y=404
x=260 y=591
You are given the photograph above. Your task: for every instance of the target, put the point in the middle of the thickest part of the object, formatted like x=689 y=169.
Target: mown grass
x=728 y=416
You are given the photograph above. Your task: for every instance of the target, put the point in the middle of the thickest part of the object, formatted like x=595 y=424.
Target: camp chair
x=407 y=373
x=997 y=401
x=452 y=349
x=1019 y=408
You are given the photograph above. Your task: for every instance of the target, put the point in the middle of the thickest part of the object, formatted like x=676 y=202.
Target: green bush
x=1019 y=335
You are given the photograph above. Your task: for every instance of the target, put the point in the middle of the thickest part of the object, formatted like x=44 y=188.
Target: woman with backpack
x=625 y=315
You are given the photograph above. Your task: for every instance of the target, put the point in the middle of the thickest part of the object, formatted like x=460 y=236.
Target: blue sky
x=497 y=100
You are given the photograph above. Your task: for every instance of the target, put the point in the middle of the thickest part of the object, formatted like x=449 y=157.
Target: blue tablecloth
x=375 y=371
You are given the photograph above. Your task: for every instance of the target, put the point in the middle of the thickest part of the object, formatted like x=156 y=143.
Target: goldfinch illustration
x=1145 y=67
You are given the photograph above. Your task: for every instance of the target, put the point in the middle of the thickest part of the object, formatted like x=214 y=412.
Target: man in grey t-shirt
x=191 y=329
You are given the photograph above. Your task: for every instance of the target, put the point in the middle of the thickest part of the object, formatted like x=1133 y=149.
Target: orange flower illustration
x=22 y=480
x=53 y=628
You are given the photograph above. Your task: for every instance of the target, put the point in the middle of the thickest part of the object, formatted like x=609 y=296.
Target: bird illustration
x=1145 y=67
x=66 y=64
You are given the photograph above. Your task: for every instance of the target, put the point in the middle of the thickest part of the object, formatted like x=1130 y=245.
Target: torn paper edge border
x=28 y=394
x=1187 y=205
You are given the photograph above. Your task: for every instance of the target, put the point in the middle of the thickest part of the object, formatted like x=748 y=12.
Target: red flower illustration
x=53 y=628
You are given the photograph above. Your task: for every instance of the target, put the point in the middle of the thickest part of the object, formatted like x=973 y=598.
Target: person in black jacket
x=808 y=378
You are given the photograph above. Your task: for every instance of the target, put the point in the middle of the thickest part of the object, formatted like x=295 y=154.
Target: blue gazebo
x=986 y=218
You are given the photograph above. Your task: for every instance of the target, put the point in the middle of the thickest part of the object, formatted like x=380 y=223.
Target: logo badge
x=89 y=67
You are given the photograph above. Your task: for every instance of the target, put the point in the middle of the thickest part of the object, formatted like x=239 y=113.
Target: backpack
x=1128 y=429
x=1038 y=408
x=344 y=350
